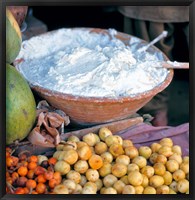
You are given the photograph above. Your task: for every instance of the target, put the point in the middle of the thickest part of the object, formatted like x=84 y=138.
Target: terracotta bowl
x=91 y=110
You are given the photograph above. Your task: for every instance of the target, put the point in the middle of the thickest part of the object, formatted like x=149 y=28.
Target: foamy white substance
x=88 y=64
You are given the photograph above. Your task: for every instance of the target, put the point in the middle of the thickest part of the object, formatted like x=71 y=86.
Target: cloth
x=144 y=135
x=163 y=14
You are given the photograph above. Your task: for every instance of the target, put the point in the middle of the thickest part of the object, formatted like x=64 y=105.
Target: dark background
x=56 y=17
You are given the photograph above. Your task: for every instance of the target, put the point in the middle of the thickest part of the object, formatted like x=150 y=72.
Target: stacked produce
x=103 y=163
x=20 y=102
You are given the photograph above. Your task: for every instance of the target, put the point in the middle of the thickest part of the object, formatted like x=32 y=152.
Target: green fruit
x=13 y=37
x=20 y=106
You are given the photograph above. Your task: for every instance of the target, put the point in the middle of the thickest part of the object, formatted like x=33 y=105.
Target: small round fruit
x=186 y=159
x=84 y=152
x=166 y=151
x=83 y=180
x=159 y=169
x=140 y=161
x=70 y=184
x=22 y=171
x=155 y=147
x=183 y=186
x=135 y=178
x=60 y=189
x=73 y=138
x=90 y=139
x=125 y=179
x=166 y=142
x=70 y=145
x=41 y=188
x=178 y=175
x=119 y=169
x=171 y=191
x=177 y=149
x=78 y=189
x=89 y=188
x=163 y=189
x=107 y=157
x=131 y=151
x=92 y=175
x=41 y=158
x=99 y=184
x=119 y=138
x=109 y=190
x=127 y=143
x=176 y=157
x=184 y=167
x=111 y=139
x=105 y=169
x=123 y=159
x=148 y=171
x=149 y=190
x=145 y=151
x=95 y=162
x=73 y=175
x=156 y=181
x=139 y=189
x=70 y=156
x=128 y=189
x=104 y=132
x=145 y=181
x=173 y=186
x=109 y=180
x=118 y=186
x=100 y=148
x=62 y=167
x=81 y=144
x=81 y=166
x=167 y=178
x=172 y=165
x=153 y=158
x=132 y=167
x=161 y=159
x=116 y=150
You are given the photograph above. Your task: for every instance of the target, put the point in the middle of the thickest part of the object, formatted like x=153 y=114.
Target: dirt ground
x=108 y=17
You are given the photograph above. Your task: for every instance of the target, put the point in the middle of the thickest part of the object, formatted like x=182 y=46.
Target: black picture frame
x=3 y=4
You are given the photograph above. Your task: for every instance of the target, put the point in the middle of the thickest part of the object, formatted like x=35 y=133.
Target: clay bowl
x=90 y=110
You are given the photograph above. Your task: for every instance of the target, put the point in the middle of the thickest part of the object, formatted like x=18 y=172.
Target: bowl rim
x=160 y=87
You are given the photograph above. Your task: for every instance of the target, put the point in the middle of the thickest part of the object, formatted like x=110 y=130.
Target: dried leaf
x=55 y=120
x=36 y=138
x=40 y=119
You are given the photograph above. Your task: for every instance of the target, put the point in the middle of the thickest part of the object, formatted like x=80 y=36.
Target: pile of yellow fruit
x=107 y=164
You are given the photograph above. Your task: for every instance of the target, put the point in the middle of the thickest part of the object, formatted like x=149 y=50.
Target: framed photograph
x=96 y=98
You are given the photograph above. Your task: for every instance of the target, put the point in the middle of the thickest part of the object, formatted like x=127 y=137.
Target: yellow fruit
x=118 y=186
x=84 y=152
x=135 y=178
x=116 y=150
x=100 y=148
x=62 y=167
x=74 y=176
x=156 y=181
x=105 y=169
x=119 y=169
x=95 y=162
x=145 y=151
x=104 y=132
x=128 y=189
